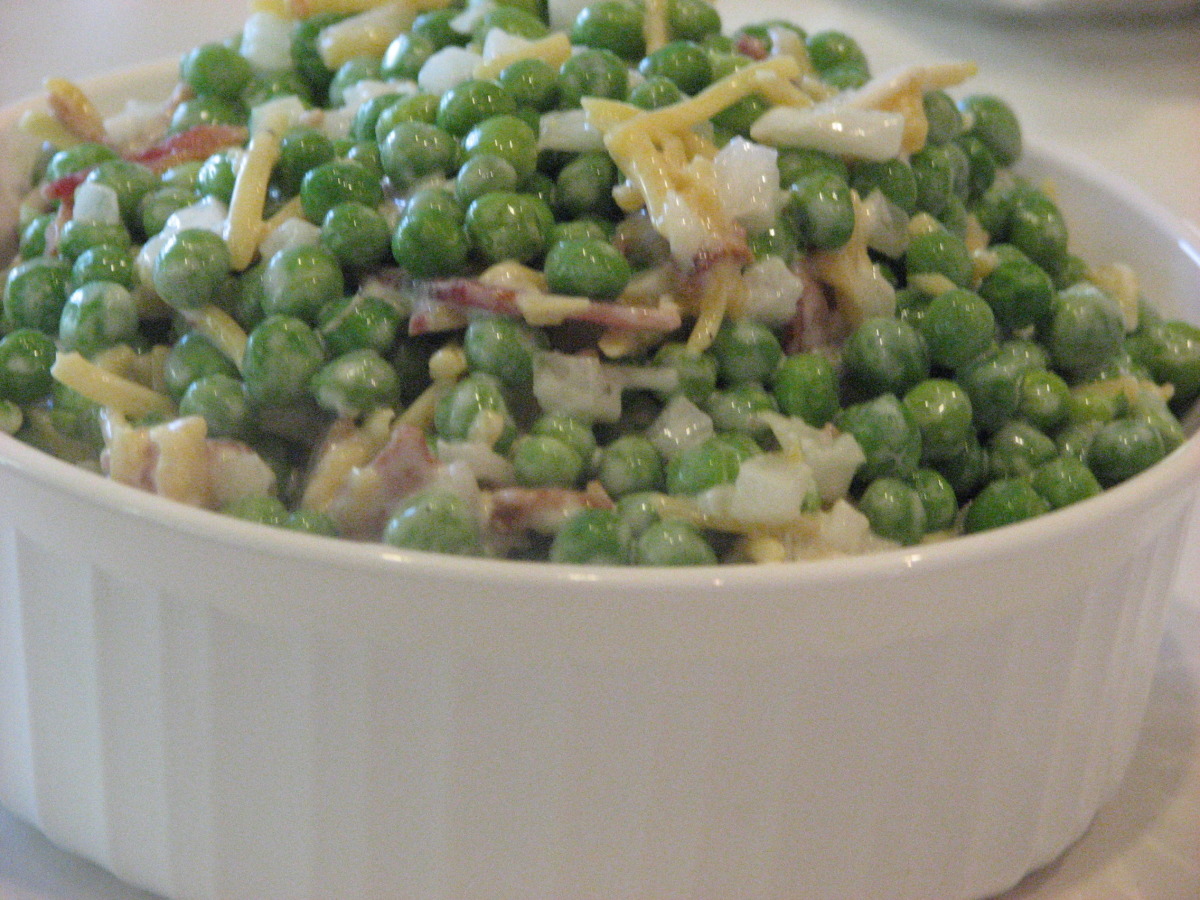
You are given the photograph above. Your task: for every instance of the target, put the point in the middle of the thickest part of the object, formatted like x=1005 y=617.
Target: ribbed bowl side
x=524 y=748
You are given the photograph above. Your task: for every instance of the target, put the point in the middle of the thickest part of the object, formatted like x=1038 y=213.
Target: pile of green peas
x=999 y=393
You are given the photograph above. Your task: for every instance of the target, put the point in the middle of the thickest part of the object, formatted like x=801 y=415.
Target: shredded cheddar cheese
x=109 y=389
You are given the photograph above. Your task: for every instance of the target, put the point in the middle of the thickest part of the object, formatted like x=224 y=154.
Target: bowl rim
x=1178 y=473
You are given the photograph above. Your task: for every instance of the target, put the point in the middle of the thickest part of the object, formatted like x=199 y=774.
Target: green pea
x=299 y=280
x=192 y=268
x=32 y=242
x=630 y=464
x=544 y=461
x=97 y=316
x=300 y=151
x=159 y=205
x=221 y=401
x=79 y=236
x=778 y=239
x=981 y=166
x=311 y=521
x=1017 y=448
x=585 y=185
x=335 y=182
x=885 y=355
x=207 y=110
x=505 y=225
x=260 y=510
x=1085 y=330
x=578 y=229
x=937 y=498
x=437 y=199
x=745 y=350
x=1003 y=502
x=1122 y=448
x=796 y=162
x=590 y=537
x=435 y=521
x=502 y=347
x=894 y=510
x=994 y=385
x=1170 y=351
x=356 y=234
x=355 y=383
x=575 y=434
x=738 y=408
x=361 y=322
x=430 y=243
x=684 y=62
x=942 y=173
x=416 y=108
x=613 y=25
x=967 y=471
x=940 y=252
x=655 y=93
x=484 y=173
x=593 y=72
x=893 y=178
x=942 y=114
x=273 y=84
x=190 y=358
x=887 y=434
x=512 y=19
x=1043 y=400
x=1036 y=227
x=478 y=394
x=697 y=371
x=958 y=326
x=672 y=542
x=26 y=357
x=310 y=67
x=942 y=412
x=282 y=355
x=587 y=267
x=992 y=121
x=1063 y=481
x=81 y=156
x=692 y=20
x=805 y=386
x=405 y=55
x=1019 y=292
x=706 y=465
x=215 y=69
x=104 y=262
x=436 y=26
x=34 y=293
x=836 y=54
x=508 y=137
x=470 y=102
x=820 y=208
x=131 y=181
x=350 y=73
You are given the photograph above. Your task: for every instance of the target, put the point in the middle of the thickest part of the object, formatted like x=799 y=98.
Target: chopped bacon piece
x=196 y=144
x=751 y=46
x=814 y=324
x=64 y=188
x=516 y=510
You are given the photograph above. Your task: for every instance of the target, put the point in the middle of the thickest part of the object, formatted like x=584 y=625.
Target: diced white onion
x=96 y=204
x=138 y=123
x=267 y=42
x=290 y=233
x=498 y=42
x=773 y=291
x=833 y=127
x=575 y=385
x=278 y=114
x=446 y=68
x=563 y=13
x=747 y=177
x=680 y=426
x=568 y=130
x=771 y=489
x=886 y=225
x=465 y=21
x=843 y=529
x=485 y=464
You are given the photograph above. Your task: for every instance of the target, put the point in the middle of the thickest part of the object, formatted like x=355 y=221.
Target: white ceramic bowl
x=213 y=709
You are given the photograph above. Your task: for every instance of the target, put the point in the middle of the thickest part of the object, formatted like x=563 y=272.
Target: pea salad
x=580 y=282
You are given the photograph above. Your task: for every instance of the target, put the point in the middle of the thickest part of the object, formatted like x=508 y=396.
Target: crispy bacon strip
x=516 y=510
x=196 y=144
x=471 y=294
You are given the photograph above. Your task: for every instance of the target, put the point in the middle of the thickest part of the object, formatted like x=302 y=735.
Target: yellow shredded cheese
x=448 y=363
x=220 y=328
x=72 y=107
x=346 y=447
x=46 y=129
x=554 y=50
x=1120 y=282
x=655 y=24
x=539 y=309
x=109 y=389
x=368 y=32
x=244 y=223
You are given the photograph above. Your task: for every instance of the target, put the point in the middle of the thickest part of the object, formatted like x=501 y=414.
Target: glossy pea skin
x=34 y=293
x=958 y=326
x=981 y=166
x=334 y=182
x=893 y=178
x=697 y=371
x=282 y=355
x=260 y=510
x=405 y=55
x=506 y=225
x=350 y=73
x=311 y=521
x=543 y=461
x=436 y=27
x=1064 y=480
x=77 y=236
x=796 y=162
x=672 y=542
x=993 y=383
x=532 y=84
x=820 y=208
x=217 y=175
x=592 y=72
x=192 y=357
x=26 y=357
x=356 y=234
x=655 y=93
x=590 y=537
x=805 y=386
x=215 y=69
x=361 y=322
x=1122 y=448
x=513 y=20
x=630 y=464
x=940 y=252
x=692 y=20
x=1017 y=448
x=992 y=121
x=77 y=158
x=833 y=52
x=355 y=383
x=32 y=242
x=484 y=173
x=299 y=280
x=942 y=175
x=737 y=408
x=942 y=114
x=942 y=412
x=97 y=316
x=221 y=401
x=884 y=355
x=300 y=151
x=429 y=244
x=613 y=25
x=585 y=186
x=310 y=67
x=889 y=438
x=745 y=351
x=207 y=110
x=1170 y=351
x=131 y=181
x=502 y=347
x=470 y=102
x=1037 y=228
x=456 y=413
x=586 y=267
x=1003 y=502
x=714 y=461
x=685 y=63
x=1019 y=292
x=192 y=268
x=157 y=206
x=571 y=431
x=1043 y=399
x=104 y=262
x=894 y=510
x=435 y=521
x=1085 y=330
x=505 y=136
x=937 y=498
x=415 y=108
x=967 y=471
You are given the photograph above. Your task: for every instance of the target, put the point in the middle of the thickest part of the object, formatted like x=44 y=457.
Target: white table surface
x=1124 y=92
